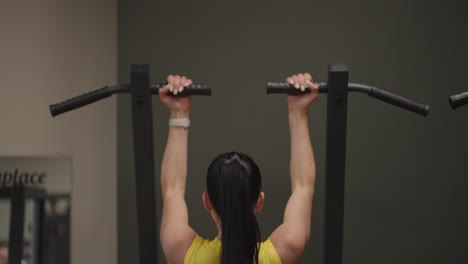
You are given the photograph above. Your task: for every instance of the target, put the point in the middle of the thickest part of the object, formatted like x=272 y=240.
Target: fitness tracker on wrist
x=183 y=122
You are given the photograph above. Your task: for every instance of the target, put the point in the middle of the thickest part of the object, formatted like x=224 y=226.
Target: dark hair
x=3 y=244
x=233 y=184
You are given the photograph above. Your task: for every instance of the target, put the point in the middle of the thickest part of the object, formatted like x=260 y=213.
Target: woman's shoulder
x=203 y=251
x=268 y=253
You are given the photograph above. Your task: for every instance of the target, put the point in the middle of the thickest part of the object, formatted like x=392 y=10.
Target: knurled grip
x=194 y=89
x=458 y=100
x=79 y=101
x=284 y=87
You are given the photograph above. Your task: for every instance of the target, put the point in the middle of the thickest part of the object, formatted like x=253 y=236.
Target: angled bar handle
x=383 y=95
x=400 y=101
x=106 y=91
x=458 y=100
x=79 y=101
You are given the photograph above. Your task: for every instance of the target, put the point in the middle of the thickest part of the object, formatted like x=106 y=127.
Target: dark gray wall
x=406 y=175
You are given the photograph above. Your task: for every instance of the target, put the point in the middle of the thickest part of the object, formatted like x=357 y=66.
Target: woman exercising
x=234 y=193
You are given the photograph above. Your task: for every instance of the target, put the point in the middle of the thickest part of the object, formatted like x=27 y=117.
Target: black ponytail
x=234 y=184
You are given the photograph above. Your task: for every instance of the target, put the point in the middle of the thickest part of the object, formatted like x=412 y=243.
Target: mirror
x=35 y=196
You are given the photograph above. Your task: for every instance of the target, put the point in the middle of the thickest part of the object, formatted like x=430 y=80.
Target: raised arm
x=176 y=235
x=291 y=237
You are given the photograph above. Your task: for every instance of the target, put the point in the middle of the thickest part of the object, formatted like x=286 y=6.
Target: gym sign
x=52 y=173
x=9 y=178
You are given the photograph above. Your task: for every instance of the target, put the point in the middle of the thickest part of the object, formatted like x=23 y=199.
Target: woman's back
x=209 y=252
x=234 y=195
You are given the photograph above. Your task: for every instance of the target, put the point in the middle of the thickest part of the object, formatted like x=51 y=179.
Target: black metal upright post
x=15 y=243
x=144 y=163
x=337 y=108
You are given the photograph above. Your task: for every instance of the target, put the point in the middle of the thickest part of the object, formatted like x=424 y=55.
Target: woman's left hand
x=180 y=105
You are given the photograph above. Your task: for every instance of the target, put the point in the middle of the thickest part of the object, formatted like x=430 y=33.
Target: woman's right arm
x=291 y=237
x=176 y=235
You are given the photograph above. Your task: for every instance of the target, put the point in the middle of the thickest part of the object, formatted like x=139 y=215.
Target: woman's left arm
x=176 y=235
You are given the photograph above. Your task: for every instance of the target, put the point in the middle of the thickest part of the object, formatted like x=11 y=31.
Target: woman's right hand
x=300 y=103
x=179 y=106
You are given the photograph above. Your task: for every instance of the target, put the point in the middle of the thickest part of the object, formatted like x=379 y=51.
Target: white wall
x=51 y=50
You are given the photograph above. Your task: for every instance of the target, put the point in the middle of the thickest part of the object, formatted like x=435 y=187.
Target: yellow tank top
x=204 y=251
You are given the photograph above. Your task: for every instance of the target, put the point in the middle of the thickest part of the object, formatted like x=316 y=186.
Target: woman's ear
x=261 y=199
x=207 y=202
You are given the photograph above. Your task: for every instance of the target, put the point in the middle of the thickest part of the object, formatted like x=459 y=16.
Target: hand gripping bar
x=383 y=95
x=106 y=91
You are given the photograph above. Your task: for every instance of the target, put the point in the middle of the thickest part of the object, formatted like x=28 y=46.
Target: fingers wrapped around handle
x=192 y=89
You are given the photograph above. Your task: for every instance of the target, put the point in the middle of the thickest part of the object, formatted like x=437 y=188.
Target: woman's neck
x=220 y=229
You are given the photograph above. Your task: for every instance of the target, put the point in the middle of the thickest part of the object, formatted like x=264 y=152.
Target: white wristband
x=183 y=122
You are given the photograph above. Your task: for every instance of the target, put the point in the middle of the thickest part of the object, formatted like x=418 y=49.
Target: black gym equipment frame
x=141 y=90
x=337 y=108
x=18 y=195
x=458 y=100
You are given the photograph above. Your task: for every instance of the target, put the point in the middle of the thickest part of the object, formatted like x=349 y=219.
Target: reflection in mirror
x=35 y=199
x=57 y=236
x=4 y=224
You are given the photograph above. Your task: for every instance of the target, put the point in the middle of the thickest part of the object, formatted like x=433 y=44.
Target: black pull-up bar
x=104 y=92
x=372 y=91
x=337 y=110
x=458 y=100
x=141 y=90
